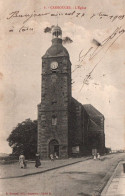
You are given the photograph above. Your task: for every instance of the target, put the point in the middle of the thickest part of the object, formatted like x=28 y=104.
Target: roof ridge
x=91 y=109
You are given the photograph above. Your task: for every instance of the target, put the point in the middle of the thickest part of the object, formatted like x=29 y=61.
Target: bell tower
x=53 y=111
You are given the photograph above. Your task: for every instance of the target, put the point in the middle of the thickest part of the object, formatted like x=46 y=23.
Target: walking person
x=37 y=163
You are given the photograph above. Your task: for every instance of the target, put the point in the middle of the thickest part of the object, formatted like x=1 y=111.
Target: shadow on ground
x=83 y=194
x=104 y=158
x=76 y=172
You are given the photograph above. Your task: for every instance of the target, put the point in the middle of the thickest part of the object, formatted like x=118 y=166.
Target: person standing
x=37 y=163
x=98 y=156
x=51 y=157
x=56 y=156
x=22 y=161
x=94 y=157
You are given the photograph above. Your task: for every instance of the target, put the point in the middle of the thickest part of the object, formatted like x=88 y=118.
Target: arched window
x=54 y=120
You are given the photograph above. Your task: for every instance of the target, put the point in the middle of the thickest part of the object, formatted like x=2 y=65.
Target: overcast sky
x=21 y=52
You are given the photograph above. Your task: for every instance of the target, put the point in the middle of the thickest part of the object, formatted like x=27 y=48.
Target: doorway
x=56 y=150
x=54 y=147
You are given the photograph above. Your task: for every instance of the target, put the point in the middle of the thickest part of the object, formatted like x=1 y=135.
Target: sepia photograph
x=62 y=97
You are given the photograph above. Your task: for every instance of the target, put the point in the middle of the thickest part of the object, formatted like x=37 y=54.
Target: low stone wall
x=3 y=162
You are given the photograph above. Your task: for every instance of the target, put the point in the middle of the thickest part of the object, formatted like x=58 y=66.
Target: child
x=94 y=157
x=56 y=156
x=51 y=157
x=98 y=156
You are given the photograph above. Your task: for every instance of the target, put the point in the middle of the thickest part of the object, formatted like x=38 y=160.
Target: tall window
x=54 y=120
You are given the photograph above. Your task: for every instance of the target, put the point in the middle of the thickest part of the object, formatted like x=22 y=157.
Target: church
x=65 y=126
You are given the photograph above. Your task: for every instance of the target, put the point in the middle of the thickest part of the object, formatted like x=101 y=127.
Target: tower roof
x=56 y=31
x=56 y=49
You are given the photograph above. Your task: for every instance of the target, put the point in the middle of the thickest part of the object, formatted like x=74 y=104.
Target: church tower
x=53 y=111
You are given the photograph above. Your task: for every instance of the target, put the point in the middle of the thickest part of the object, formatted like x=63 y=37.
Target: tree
x=23 y=138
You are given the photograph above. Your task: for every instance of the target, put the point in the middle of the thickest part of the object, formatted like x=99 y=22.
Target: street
x=77 y=179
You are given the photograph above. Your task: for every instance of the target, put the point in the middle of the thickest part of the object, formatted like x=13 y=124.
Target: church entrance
x=54 y=147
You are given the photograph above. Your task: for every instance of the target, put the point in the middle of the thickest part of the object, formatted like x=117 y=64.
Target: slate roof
x=93 y=126
x=56 y=49
x=91 y=111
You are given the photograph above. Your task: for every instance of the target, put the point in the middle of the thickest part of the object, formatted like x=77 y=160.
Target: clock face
x=54 y=65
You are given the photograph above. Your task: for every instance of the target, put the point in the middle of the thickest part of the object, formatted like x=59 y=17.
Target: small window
x=54 y=71
x=54 y=120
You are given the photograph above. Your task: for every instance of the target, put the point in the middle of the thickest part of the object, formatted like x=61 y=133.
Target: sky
x=101 y=24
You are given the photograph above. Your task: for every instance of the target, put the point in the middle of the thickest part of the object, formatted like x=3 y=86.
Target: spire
x=56 y=32
x=57 y=18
